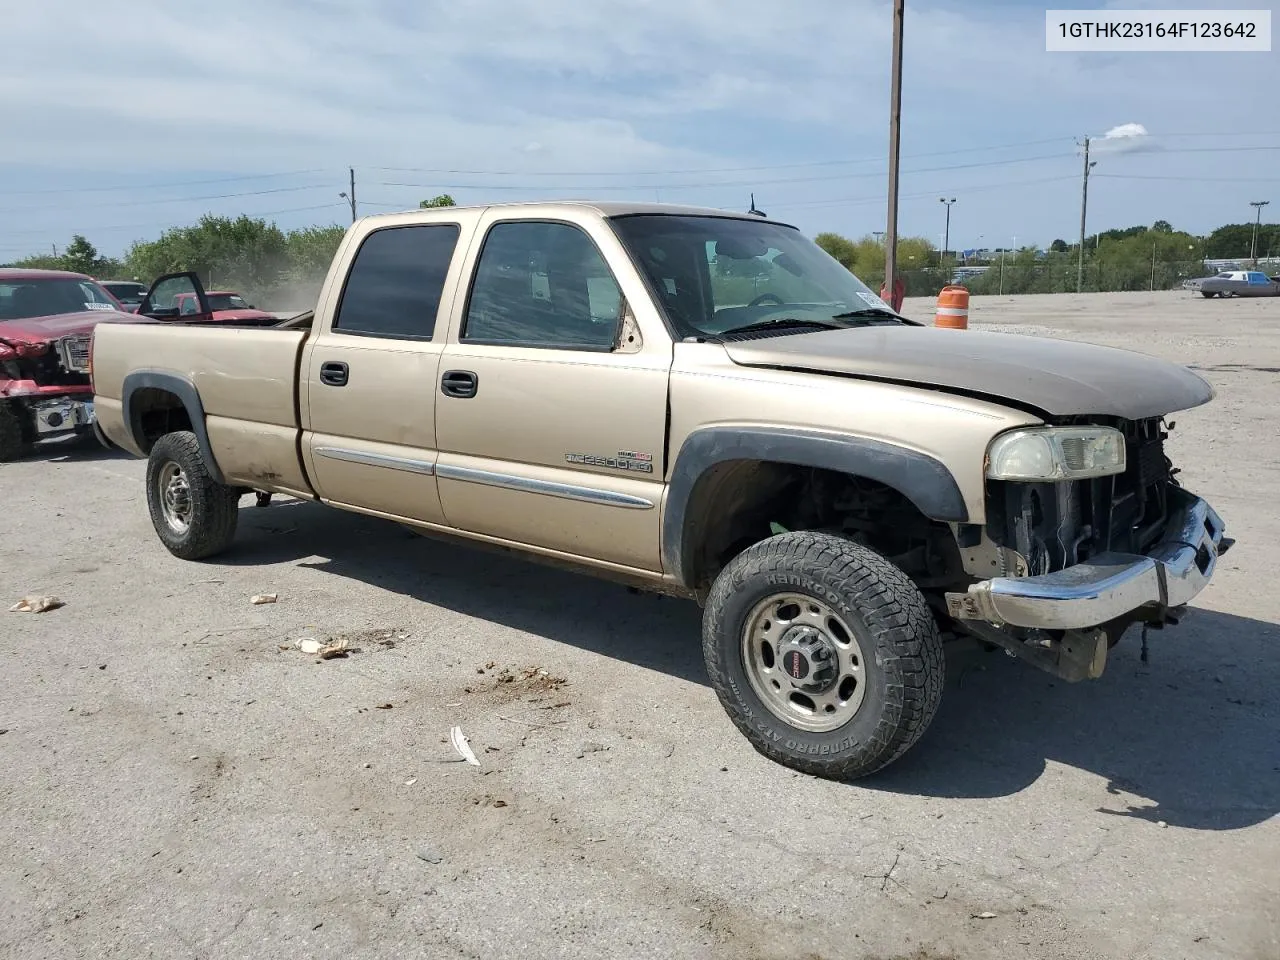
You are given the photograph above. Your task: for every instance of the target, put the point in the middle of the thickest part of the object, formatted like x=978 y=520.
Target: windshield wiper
x=780 y=322
x=866 y=313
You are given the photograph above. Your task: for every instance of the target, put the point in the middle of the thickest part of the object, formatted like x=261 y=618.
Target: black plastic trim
x=924 y=481
x=184 y=390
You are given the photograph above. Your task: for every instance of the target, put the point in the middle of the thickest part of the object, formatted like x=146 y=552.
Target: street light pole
x=895 y=137
x=946 y=236
x=1253 y=247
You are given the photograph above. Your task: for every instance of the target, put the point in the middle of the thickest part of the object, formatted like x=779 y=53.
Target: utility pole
x=1084 y=206
x=351 y=197
x=946 y=237
x=1253 y=247
x=1153 y=265
x=895 y=137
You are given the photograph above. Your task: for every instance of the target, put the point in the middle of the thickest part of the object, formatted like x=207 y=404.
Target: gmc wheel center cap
x=808 y=658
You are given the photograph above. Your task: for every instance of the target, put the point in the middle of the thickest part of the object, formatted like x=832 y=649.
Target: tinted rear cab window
x=396 y=282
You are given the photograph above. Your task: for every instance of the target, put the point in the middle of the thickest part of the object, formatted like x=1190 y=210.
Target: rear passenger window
x=542 y=285
x=396 y=281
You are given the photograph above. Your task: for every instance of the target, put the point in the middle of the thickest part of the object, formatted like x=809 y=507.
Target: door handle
x=333 y=373
x=459 y=383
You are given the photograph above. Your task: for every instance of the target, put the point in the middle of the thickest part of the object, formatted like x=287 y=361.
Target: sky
x=122 y=119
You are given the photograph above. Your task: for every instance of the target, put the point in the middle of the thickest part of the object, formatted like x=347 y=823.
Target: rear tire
x=193 y=514
x=854 y=629
x=14 y=440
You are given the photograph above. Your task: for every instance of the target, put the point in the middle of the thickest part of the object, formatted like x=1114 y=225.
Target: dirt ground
x=179 y=780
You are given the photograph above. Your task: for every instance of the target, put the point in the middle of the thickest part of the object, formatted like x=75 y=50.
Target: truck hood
x=45 y=329
x=1055 y=378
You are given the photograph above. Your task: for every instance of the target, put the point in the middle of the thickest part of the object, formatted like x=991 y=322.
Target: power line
x=663 y=173
x=216 y=196
x=723 y=183
x=879 y=198
x=157 y=186
x=1141 y=176
x=106 y=228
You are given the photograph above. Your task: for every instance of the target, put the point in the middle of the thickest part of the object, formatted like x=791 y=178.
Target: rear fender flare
x=185 y=391
x=923 y=480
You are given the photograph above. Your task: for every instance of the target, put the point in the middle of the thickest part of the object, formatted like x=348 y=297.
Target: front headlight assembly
x=1041 y=454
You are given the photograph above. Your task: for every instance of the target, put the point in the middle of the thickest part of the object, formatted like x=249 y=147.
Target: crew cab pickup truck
x=706 y=404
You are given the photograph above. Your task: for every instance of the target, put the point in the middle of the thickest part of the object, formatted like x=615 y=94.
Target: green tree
x=443 y=200
x=248 y=254
x=1059 y=246
x=1162 y=226
x=311 y=250
x=81 y=256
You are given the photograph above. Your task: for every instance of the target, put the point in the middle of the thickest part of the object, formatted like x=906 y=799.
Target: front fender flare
x=923 y=480
x=184 y=390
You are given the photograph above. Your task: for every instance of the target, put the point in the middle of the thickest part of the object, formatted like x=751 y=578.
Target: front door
x=369 y=380
x=177 y=296
x=551 y=415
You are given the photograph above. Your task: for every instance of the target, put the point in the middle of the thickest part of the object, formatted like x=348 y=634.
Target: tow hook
x=264 y=498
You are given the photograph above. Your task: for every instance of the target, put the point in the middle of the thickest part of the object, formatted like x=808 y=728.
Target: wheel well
x=738 y=503
x=155 y=412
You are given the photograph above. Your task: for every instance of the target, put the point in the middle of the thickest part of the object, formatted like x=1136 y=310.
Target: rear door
x=552 y=401
x=368 y=381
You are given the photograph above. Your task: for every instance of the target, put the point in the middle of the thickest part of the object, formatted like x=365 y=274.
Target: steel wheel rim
x=779 y=625
x=175 y=497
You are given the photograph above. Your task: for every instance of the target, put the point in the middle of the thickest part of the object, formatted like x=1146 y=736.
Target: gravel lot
x=179 y=781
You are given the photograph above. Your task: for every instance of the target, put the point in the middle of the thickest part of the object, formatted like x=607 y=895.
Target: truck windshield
x=46 y=297
x=715 y=274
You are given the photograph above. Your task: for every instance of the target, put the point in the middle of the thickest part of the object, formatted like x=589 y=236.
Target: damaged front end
x=1080 y=558
x=45 y=387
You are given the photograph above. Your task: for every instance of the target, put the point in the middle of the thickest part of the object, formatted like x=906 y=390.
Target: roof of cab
x=605 y=208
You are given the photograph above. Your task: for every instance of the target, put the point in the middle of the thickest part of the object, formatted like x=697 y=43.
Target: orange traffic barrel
x=953 y=308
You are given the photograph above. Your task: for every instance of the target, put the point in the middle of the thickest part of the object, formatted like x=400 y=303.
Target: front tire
x=823 y=653
x=193 y=514
x=14 y=441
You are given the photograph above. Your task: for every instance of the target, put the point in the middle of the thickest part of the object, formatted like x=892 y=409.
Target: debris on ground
x=310 y=645
x=985 y=915
x=459 y=741
x=429 y=855
x=36 y=604
x=384 y=706
x=509 y=684
x=259 y=599
x=334 y=649
x=590 y=747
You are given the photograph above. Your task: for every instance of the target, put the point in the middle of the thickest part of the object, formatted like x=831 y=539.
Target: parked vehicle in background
x=128 y=292
x=223 y=306
x=1237 y=283
x=707 y=404
x=46 y=320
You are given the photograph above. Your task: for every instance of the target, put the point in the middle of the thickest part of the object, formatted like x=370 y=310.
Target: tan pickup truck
x=704 y=404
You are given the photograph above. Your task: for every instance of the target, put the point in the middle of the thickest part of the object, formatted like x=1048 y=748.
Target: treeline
x=275 y=269
x=1157 y=257
x=282 y=270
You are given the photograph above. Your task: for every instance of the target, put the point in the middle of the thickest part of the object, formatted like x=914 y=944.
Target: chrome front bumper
x=1110 y=585
x=61 y=415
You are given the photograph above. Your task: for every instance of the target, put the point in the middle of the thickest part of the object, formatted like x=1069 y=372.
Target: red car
x=222 y=306
x=46 y=324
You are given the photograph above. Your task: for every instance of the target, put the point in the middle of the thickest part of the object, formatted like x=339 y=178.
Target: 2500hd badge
x=625 y=460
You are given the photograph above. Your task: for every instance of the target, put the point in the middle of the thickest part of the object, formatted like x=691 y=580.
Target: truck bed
x=245 y=377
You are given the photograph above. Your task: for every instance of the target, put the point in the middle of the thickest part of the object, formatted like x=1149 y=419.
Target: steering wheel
x=758 y=301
